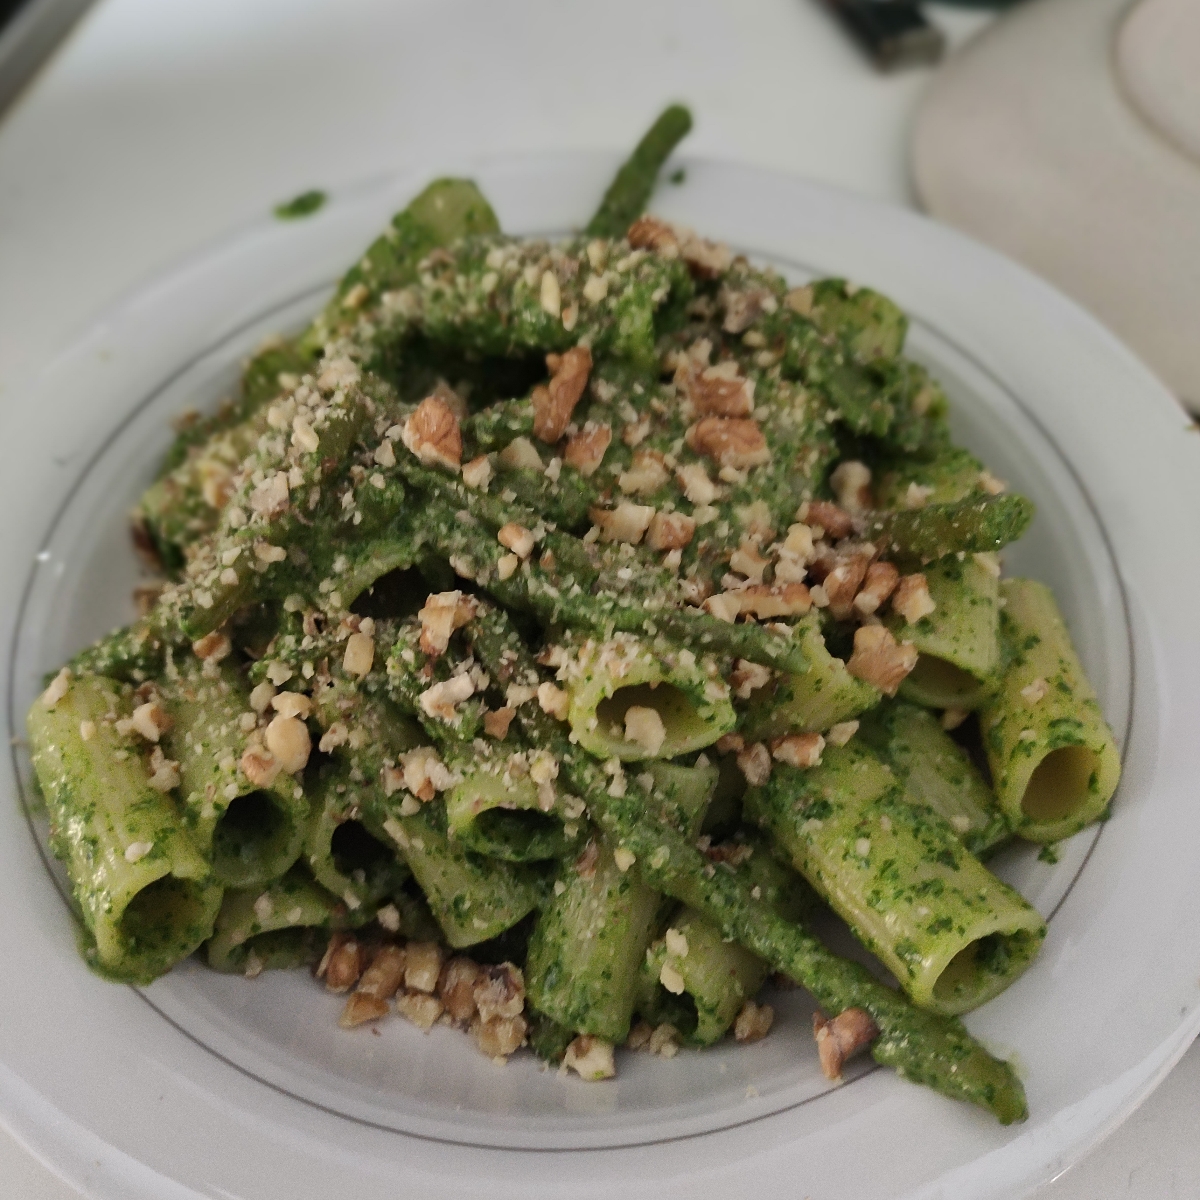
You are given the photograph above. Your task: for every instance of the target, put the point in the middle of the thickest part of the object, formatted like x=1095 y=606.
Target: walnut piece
x=718 y=391
x=704 y=259
x=442 y=614
x=433 y=435
x=911 y=598
x=837 y=1040
x=879 y=660
x=834 y=521
x=766 y=601
x=670 y=531
x=585 y=450
x=554 y=403
x=801 y=750
x=626 y=523
x=754 y=761
x=729 y=441
x=753 y=1022
x=880 y=582
x=591 y=1058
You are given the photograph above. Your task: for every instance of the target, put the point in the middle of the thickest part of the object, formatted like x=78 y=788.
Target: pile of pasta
x=549 y=630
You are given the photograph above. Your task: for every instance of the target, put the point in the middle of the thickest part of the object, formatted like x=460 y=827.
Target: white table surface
x=162 y=124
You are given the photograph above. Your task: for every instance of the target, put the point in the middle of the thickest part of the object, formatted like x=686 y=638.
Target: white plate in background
x=211 y=1086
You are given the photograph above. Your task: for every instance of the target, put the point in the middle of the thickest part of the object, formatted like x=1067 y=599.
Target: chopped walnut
x=705 y=259
x=259 y=766
x=1035 y=692
x=501 y=1036
x=841 y=733
x=433 y=435
x=456 y=989
x=150 y=720
x=646 y=474
x=591 y=1058
x=753 y=1022
x=289 y=743
x=342 y=963
x=729 y=441
x=585 y=450
x=360 y=655
x=477 y=473
x=725 y=606
x=499 y=991
x=696 y=484
x=843 y=580
x=625 y=523
x=744 y=305
x=496 y=723
x=718 y=391
x=800 y=300
x=851 y=483
x=422 y=966
x=382 y=979
x=912 y=600
x=880 y=582
x=442 y=699
x=879 y=660
x=766 y=601
x=521 y=455
x=290 y=704
x=361 y=1008
x=747 y=560
x=838 y=1039
x=745 y=678
x=424 y=773
x=645 y=728
x=420 y=1008
x=952 y=718
x=57 y=689
x=835 y=521
x=442 y=614
x=270 y=498
x=670 y=531
x=754 y=761
x=164 y=771
x=215 y=646
x=554 y=403
x=553 y=700
x=516 y=538
x=799 y=750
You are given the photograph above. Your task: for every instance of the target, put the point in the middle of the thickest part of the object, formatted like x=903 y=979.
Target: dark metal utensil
x=29 y=31
x=894 y=33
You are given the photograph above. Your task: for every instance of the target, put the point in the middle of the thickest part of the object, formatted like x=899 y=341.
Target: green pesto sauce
x=303 y=205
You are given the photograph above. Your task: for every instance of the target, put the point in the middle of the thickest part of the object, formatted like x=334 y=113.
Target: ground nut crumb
x=591 y=1058
x=422 y=966
x=753 y=1022
x=164 y=771
x=754 y=761
x=136 y=851
x=624 y=858
x=799 y=750
x=952 y=718
x=1035 y=692
x=664 y=1041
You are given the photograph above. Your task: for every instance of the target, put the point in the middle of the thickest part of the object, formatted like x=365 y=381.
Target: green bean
x=629 y=192
x=921 y=1046
x=975 y=525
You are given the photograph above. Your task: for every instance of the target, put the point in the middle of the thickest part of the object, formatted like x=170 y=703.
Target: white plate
x=210 y=1086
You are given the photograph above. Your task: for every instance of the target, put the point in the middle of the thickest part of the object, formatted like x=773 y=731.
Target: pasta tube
x=142 y=886
x=810 y=701
x=630 y=703
x=951 y=933
x=959 y=641
x=936 y=771
x=252 y=833
x=1053 y=758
